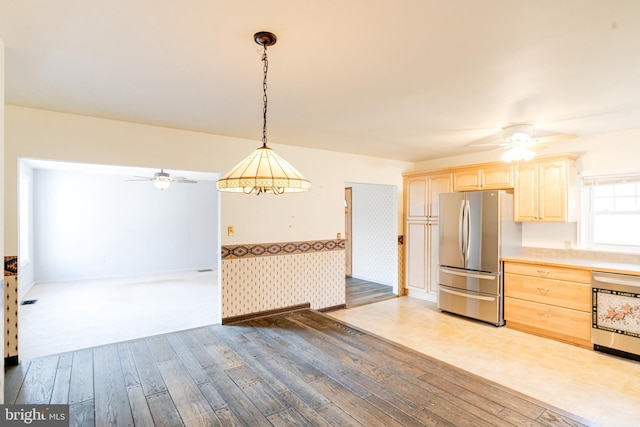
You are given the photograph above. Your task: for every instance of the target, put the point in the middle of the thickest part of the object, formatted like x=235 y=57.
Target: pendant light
x=264 y=171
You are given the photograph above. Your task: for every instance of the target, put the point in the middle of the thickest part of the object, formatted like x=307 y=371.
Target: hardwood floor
x=301 y=368
x=360 y=292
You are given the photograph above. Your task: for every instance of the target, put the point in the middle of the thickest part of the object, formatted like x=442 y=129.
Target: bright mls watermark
x=34 y=415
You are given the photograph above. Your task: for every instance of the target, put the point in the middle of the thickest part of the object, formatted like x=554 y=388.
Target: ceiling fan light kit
x=162 y=185
x=161 y=180
x=518 y=153
x=264 y=171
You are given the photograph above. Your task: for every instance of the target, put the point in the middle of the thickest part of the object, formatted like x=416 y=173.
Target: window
x=611 y=210
x=23 y=219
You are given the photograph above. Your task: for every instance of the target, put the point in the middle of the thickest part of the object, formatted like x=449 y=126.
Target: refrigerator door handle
x=460 y=294
x=461 y=232
x=465 y=274
x=467 y=226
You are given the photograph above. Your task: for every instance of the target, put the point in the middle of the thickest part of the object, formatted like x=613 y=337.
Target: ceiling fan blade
x=554 y=138
x=490 y=144
x=163 y=176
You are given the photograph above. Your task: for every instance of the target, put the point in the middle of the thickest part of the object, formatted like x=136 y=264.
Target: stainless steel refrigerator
x=476 y=230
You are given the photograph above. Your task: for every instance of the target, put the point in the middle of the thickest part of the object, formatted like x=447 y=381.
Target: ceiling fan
x=517 y=139
x=162 y=180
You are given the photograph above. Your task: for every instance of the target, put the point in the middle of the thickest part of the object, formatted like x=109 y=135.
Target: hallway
x=360 y=292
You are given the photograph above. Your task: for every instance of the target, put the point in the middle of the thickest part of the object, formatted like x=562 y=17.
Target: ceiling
x=408 y=80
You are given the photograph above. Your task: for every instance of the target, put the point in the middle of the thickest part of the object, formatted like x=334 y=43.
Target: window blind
x=610 y=179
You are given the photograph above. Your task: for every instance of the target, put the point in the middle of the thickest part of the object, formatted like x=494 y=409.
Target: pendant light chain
x=264 y=96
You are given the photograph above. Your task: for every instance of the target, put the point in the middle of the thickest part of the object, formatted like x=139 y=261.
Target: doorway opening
x=111 y=259
x=371 y=246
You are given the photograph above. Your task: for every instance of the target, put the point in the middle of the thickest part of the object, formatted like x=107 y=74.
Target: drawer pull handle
x=544 y=289
x=543 y=271
x=543 y=314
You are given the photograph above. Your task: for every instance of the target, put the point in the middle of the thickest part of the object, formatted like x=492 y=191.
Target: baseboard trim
x=332 y=308
x=11 y=361
x=243 y=317
x=423 y=295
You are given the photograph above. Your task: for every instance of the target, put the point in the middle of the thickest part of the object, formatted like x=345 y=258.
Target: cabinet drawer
x=549 y=272
x=557 y=321
x=576 y=296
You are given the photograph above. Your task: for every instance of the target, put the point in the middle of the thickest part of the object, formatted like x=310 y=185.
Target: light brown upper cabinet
x=422 y=194
x=416 y=189
x=439 y=183
x=492 y=177
x=545 y=190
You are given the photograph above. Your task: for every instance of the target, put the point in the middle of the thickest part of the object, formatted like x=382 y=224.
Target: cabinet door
x=416 y=194
x=417 y=240
x=552 y=191
x=438 y=184
x=467 y=180
x=433 y=268
x=498 y=177
x=526 y=193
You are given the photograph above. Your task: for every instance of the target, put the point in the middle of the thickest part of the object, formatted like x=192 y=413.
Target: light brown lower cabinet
x=550 y=301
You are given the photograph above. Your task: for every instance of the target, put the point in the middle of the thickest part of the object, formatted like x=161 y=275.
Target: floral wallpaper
x=11 y=306
x=374 y=229
x=263 y=279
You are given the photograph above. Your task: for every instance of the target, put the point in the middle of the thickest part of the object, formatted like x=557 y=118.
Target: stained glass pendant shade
x=264 y=171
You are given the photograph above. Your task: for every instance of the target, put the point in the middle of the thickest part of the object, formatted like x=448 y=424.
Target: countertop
x=585 y=264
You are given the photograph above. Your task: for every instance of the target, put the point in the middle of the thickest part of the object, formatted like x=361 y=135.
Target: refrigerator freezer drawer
x=475 y=281
x=485 y=307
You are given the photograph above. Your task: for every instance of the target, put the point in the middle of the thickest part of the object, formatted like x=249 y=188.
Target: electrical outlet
x=230 y=231
x=339 y=235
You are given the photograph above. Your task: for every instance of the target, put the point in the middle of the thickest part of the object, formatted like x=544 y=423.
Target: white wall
x=26 y=266
x=90 y=225
x=375 y=233
x=608 y=152
x=318 y=214
x=2 y=253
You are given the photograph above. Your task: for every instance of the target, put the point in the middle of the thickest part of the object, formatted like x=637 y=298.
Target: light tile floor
x=593 y=385
x=81 y=314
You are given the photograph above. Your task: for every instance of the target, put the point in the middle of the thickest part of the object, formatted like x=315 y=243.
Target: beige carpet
x=74 y=315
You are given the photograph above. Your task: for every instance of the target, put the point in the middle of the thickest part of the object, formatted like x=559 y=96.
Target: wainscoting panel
x=402 y=289
x=268 y=280
x=11 y=310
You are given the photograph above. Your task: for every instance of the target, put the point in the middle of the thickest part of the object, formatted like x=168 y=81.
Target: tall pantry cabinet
x=422 y=193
